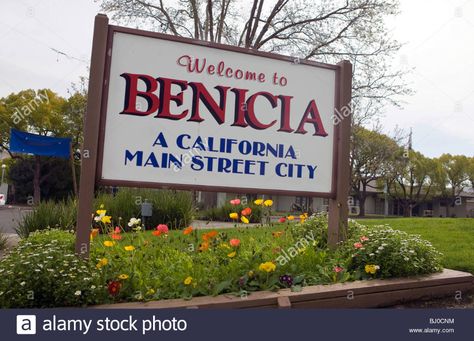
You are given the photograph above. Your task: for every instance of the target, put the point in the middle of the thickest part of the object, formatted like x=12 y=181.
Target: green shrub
x=42 y=271
x=382 y=252
x=222 y=213
x=3 y=240
x=49 y=214
x=173 y=208
x=318 y=225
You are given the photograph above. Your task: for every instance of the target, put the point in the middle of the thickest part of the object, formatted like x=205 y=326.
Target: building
x=376 y=203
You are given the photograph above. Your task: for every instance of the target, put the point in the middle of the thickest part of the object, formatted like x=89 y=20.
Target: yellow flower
x=106 y=219
x=232 y=254
x=267 y=267
x=101 y=212
x=244 y=220
x=150 y=292
x=101 y=207
x=258 y=202
x=371 y=269
x=123 y=276
x=234 y=215
x=291 y=217
x=268 y=203
x=250 y=273
x=188 y=280
x=129 y=248
x=224 y=246
x=109 y=243
x=102 y=262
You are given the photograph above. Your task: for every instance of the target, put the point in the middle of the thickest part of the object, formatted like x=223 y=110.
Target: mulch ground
x=466 y=302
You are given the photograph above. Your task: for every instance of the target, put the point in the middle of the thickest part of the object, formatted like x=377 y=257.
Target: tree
x=40 y=112
x=371 y=153
x=326 y=31
x=410 y=179
x=471 y=171
x=452 y=178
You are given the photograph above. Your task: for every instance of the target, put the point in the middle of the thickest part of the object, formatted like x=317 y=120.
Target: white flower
x=23 y=283
x=134 y=221
x=77 y=293
x=93 y=287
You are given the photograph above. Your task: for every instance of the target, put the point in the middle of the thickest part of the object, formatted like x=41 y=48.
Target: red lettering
x=132 y=92
x=285 y=114
x=311 y=115
x=187 y=62
x=166 y=98
x=240 y=107
x=250 y=114
x=200 y=93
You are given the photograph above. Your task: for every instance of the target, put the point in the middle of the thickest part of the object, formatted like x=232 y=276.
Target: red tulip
x=235 y=202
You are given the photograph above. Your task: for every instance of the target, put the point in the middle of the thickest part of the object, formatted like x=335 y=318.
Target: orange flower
x=156 y=233
x=116 y=236
x=188 y=230
x=234 y=242
x=94 y=233
x=277 y=234
x=204 y=246
x=246 y=211
x=209 y=235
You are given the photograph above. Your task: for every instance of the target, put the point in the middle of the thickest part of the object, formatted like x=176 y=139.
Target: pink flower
x=358 y=245
x=235 y=202
x=338 y=269
x=282 y=219
x=234 y=242
x=364 y=239
x=162 y=228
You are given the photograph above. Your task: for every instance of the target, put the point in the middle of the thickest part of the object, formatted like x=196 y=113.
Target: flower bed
x=161 y=264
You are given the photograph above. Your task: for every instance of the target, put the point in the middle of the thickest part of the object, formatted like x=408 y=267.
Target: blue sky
x=438 y=45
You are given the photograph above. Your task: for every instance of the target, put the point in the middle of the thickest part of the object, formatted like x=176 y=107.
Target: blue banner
x=22 y=142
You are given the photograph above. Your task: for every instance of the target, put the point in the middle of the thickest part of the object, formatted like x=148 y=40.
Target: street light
x=3 y=172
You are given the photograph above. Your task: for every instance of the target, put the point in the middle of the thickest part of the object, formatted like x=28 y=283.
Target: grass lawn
x=454 y=237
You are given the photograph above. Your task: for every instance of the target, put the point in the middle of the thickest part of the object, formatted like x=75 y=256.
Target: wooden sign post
x=166 y=111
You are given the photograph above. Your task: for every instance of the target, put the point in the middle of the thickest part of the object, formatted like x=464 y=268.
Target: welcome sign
x=183 y=114
x=165 y=111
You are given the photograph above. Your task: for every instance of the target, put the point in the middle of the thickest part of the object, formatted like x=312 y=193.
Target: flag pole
x=73 y=169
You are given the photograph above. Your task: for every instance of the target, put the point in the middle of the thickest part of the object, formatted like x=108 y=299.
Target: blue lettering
x=179 y=140
x=197 y=164
x=129 y=157
x=160 y=141
x=278 y=169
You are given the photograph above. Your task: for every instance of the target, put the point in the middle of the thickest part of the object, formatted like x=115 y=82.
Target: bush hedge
x=174 y=208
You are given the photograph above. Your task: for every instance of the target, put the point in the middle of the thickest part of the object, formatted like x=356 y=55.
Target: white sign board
x=186 y=114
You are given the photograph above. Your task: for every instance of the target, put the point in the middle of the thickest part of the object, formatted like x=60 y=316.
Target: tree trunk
x=448 y=205
x=36 y=181
x=362 y=206
x=407 y=210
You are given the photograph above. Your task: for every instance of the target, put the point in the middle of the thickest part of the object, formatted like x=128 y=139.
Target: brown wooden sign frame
x=94 y=132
